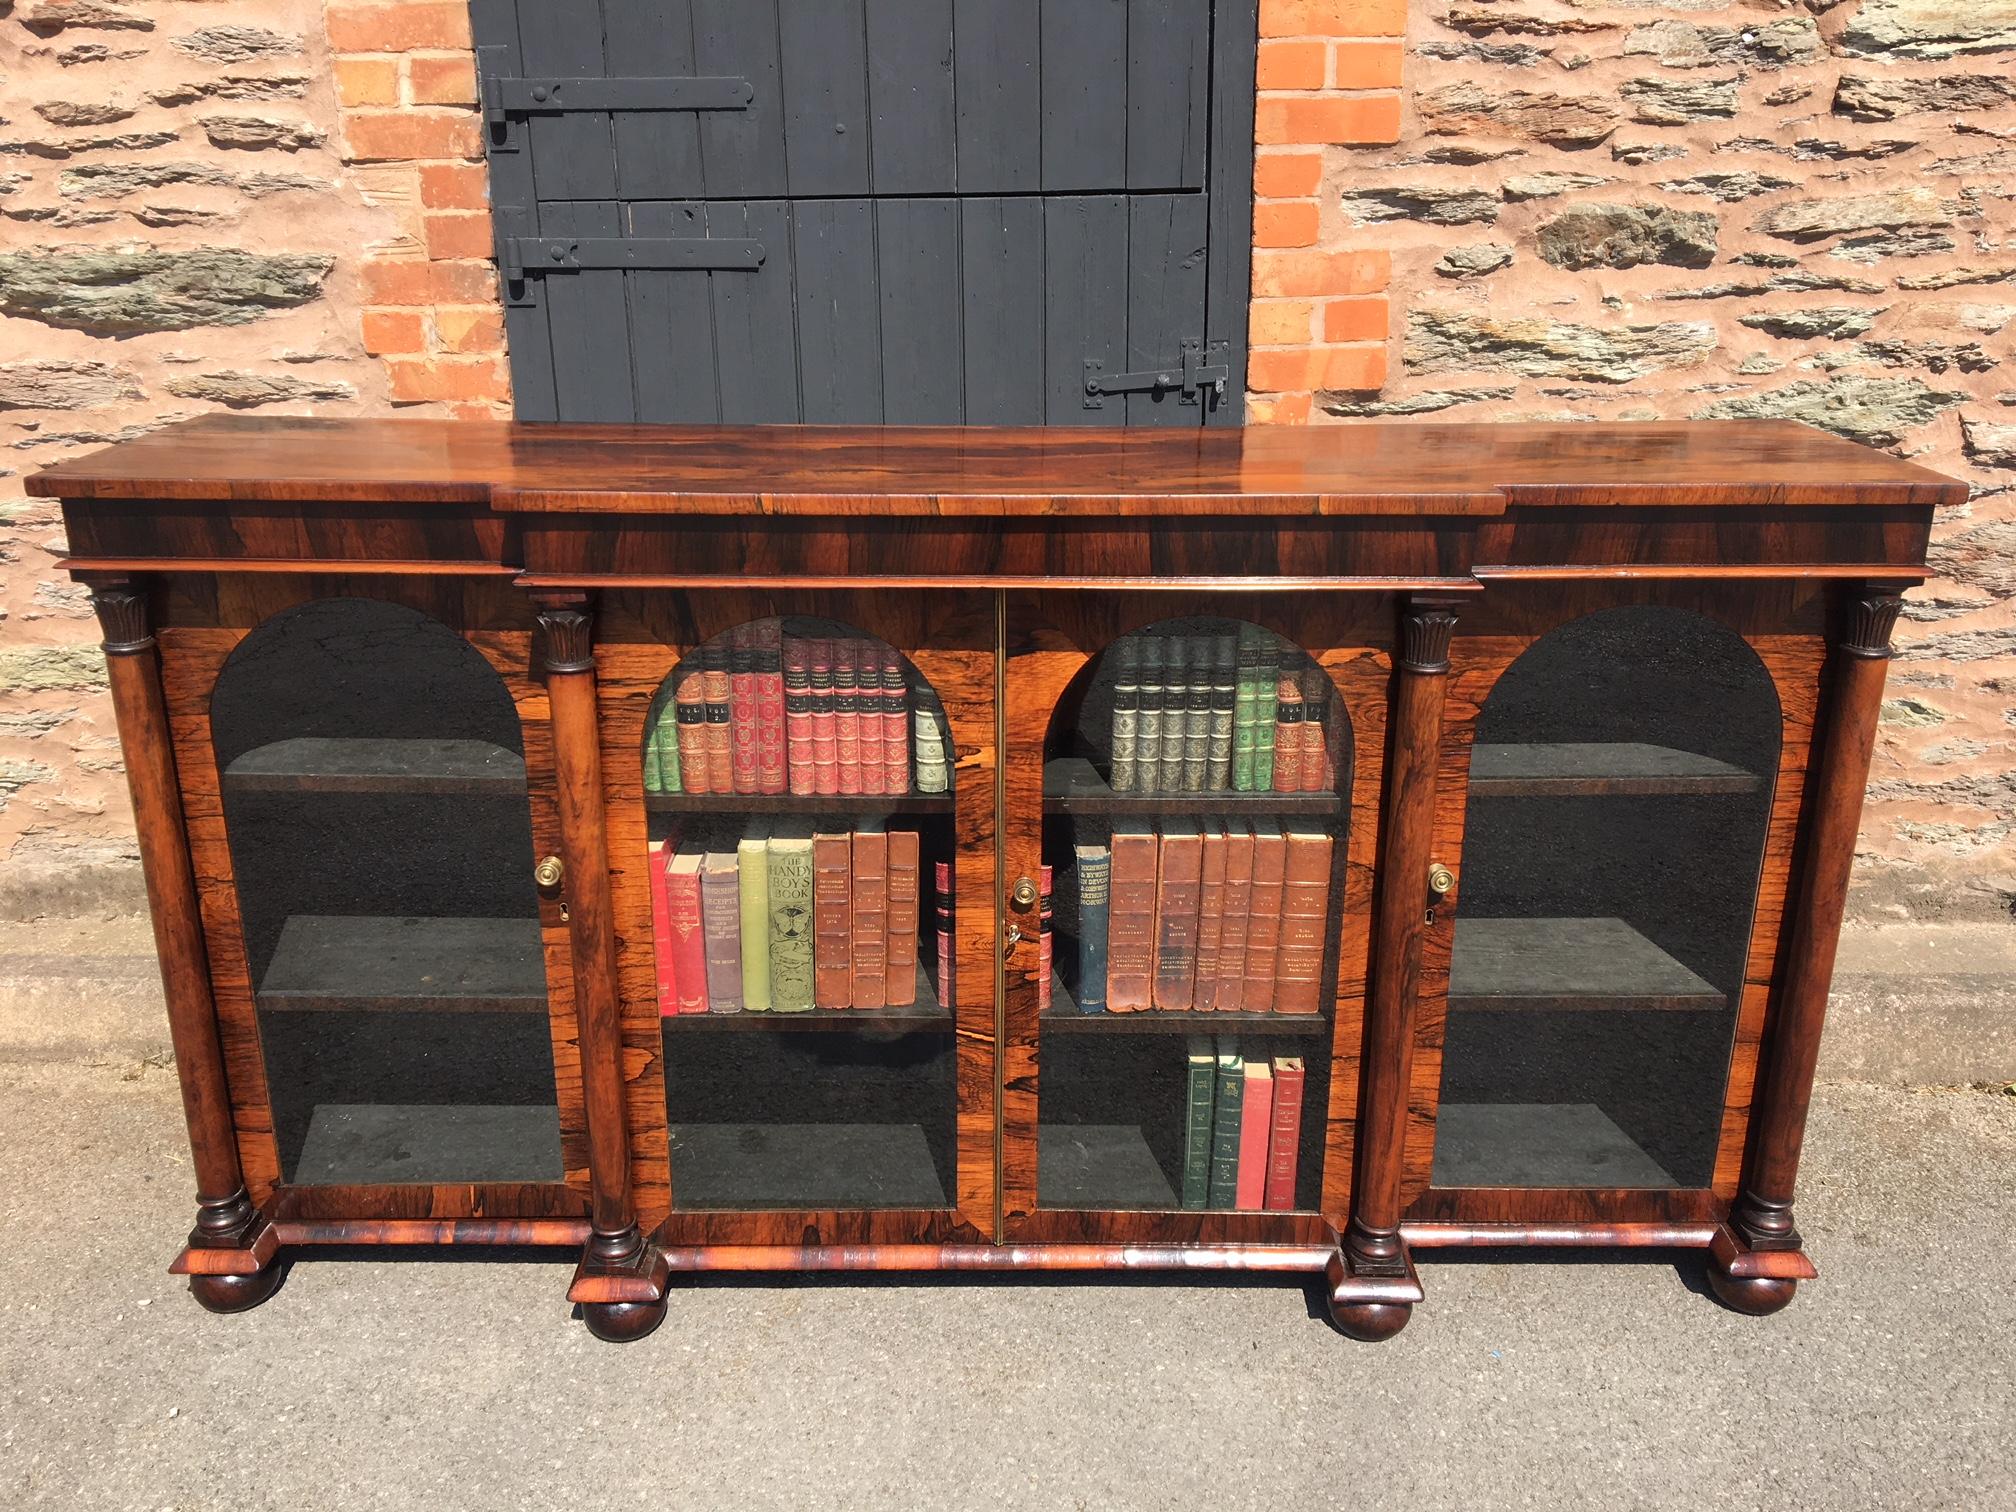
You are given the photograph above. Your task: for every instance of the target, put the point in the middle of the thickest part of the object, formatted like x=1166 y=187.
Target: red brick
x=390 y=331
x=1354 y=369
x=367 y=81
x=1292 y=65
x=470 y=330
x=404 y=135
x=1281 y=322
x=1364 y=319
x=1331 y=273
x=1284 y=223
x=398 y=281
x=417 y=380
x=1287 y=175
x=1367 y=65
x=1333 y=18
x=1296 y=370
x=443 y=81
x=459 y=234
x=398 y=28
x=1278 y=409
x=1315 y=120
x=454 y=186
x=464 y=283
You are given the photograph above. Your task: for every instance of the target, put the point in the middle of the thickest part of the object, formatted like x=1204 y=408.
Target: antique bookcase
x=1272 y=850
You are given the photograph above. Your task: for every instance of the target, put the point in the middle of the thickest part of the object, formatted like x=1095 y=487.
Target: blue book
x=1095 y=892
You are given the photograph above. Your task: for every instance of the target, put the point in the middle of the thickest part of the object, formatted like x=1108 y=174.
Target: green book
x=1197 y=1122
x=754 y=867
x=790 y=932
x=1231 y=1097
x=654 y=753
x=1245 y=718
x=665 y=734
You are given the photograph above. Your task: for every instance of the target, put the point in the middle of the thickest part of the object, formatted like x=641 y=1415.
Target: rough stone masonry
x=1466 y=209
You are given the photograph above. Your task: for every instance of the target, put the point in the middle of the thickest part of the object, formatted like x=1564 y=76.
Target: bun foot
x=1759 y=1296
x=622 y=1322
x=1368 y=1308
x=1370 y=1322
x=235 y=1294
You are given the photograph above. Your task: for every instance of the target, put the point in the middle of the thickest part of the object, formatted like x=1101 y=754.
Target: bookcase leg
x=1754 y=1281
x=1370 y=1308
x=230 y=1257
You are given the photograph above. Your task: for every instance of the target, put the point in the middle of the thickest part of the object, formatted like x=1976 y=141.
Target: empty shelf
x=1568 y=964
x=1538 y=1145
x=315 y=765
x=1604 y=769
x=1099 y=1166
x=369 y=1144
x=803 y=1166
x=441 y=965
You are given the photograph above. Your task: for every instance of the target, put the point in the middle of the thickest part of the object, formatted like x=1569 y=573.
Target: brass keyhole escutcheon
x=548 y=872
x=1025 y=893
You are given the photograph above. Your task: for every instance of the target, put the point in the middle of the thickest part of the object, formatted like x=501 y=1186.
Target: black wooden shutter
x=873 y=211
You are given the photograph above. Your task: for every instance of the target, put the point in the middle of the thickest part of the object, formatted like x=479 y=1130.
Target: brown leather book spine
x=798 y=762
x=691 y=702
x=1230 y=992
x=1287 y=733
x=1305 y=904
x=1130 y=926
x=832 y=920
x=825 y=742
x=720 y=711
x=1263 y=929
x=868 y=949
x=868 y=718
x=847 y=713
x=771 y=757
x=1315 y=731
x=1178 y=882
x=1210 y=917
x=895 y=727
x=905 y=892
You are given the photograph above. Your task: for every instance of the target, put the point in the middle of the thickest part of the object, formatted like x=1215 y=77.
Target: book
x=1175 y=711
x=772 y=743
x=798 y=759
x=868 y=900
x=847 y=714
x=933 y=765
x=1317 y=774
x=1245 y=717
x=720 y=693
x=1095 y=892
x=868 y=717
x=1148 y=720
x=656 y=860
x=1210 y=917
x=905 y=895
x=790 y=934
x=947 y=941
x=1305 y=906
x=825 y=747
x=1230 y=994
x=1265 y=711
x=832 y=919
x=1199 y=1083
x=1130 y=920
x=1126 y=714
x=1197 y=716
x=742 y=720
x=1284 y=1141
x=661 y=750
x=895 y=726
x=1263 y=926
x=1178 y=880
x=1046 y=946
x=1256 y=1128
x=690 y=712
x=685 y=920
x=721 y=919
x=1224 y=713
x=752 y=864
x=1288 y=727
x=1228 y=1097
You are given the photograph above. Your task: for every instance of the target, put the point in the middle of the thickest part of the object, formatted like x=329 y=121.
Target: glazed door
x=801 y=792
x=1191 y=817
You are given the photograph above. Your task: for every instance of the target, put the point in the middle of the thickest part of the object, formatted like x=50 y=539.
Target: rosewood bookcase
x=1476 y=802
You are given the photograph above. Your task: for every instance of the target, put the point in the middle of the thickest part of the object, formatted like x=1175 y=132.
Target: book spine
x=1046 y=945
x=720 y=711
x=690 y=710
x=847 y=714
x=1305 y=903
x=1210 y=918
x=1095 y=892
x=825 y=741
x=941 y=918
x=1264 y=703
x=868 y=703
x=772 y=755
x=1175 y=707
x=1287 y=731
x=1263 y=929
x=752 y=864
x=1224 y=714
x=1126 y=714
x=798 y=744
x=1256 y=1126
x=1284 y=1144
x=1245 y=728
x=934 y=770
x=1148 y=723
x=1177 y=885
x=1238 y=910
x=1199 y=1086
x=791 y=924
x=1229 y=1093
x=721 y=914
x=895 y=728
x=744 y=738
x=1130 y=922
x=671 y=773
x=689 y=933
x=868 y=948
x=832 y=921
x=1197 y=718
x=654 y=752
x=661 y=931
x=1316 y=776
x=905 y=895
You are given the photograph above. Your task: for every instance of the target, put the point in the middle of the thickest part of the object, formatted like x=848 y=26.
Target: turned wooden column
x=231 y=1245
x=1845 y=740
x=1372 y=1285
x=615 y=1285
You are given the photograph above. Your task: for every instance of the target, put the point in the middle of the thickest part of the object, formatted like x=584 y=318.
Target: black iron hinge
x=521 y=258
x=507 y=98
x=1202 y=367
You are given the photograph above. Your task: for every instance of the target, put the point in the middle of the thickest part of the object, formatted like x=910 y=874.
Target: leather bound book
x=721 y=915
x=1305 y=905
x=1246 y=713
x=847 y=713
x=1210 y=917
x=685 y=919
x=868 y=948
x=1148 y=722
x=832 y=919
x=790 y=917
x=825 y=740
x=1199 y=1083
x=690 y=705
x=895 y=727
x=947 y=940
x=1177 y=885
x=1229 y=995
x=1266 y=708
x=657 y=858
x=752 y=863
x=934 y=769
x=1046 y=942
x=1256 y=1128
x=743 y=719
x=905 y=896
x=1317 y=776
x=1263 y=927
x=1288 y=731
x=1229 y=1096
x=1197 y=716
x=1175 y=711
x=798 y=763
x=661 y=730
x=1095 y=898
x=720 y=711
x=771 y=760
x=868 y=703
x=1284 y=1140
x=1224 y=712
x=1130 y=920
x=1126 y=714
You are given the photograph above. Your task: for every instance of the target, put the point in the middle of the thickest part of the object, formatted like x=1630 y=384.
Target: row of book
x=776 y=713
x=793 y=920
x=1243 y=713
x=1211 y=917
x=1242 y=1127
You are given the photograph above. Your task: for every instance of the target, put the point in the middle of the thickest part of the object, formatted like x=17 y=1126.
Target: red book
x=686 y=921
x=770 y=740
x=1210 y=918
x=1230 y=994
x=1316 y=776
x=1305 y=908
x=742 y=718
x=1130 y=920
x=1263 y=928
x=1287 y=733
x=1177 y=885
x=832 y=919
x=798 y=759
x=661 y=930
x=1284 y=1143
x=868 y=897
x=847 y=713
x=825 y=745
x=895 y=728
x=868 y=717
x=1256 y=1127
x=1045 y=949
x=904 y=893
x=948 y=948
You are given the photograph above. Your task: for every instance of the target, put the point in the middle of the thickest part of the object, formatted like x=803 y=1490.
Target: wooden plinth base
x=1369 y=1308
x=1752 y=1281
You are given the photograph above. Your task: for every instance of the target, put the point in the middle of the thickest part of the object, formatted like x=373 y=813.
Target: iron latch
x=506 y=97
x=1189 y=379
x=519 y=258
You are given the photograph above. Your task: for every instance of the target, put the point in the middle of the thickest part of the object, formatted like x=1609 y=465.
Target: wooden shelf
x=430 y=965
x=1099 y=1167
x=925 y=1016
x=1539 y=1145
x=463 y=768
x=370 y=1144
x=1569 y=965
x=803 y=1167
x=1072 y=785
x=821 y=805
x=1065 y=1018
x=1600 y=769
